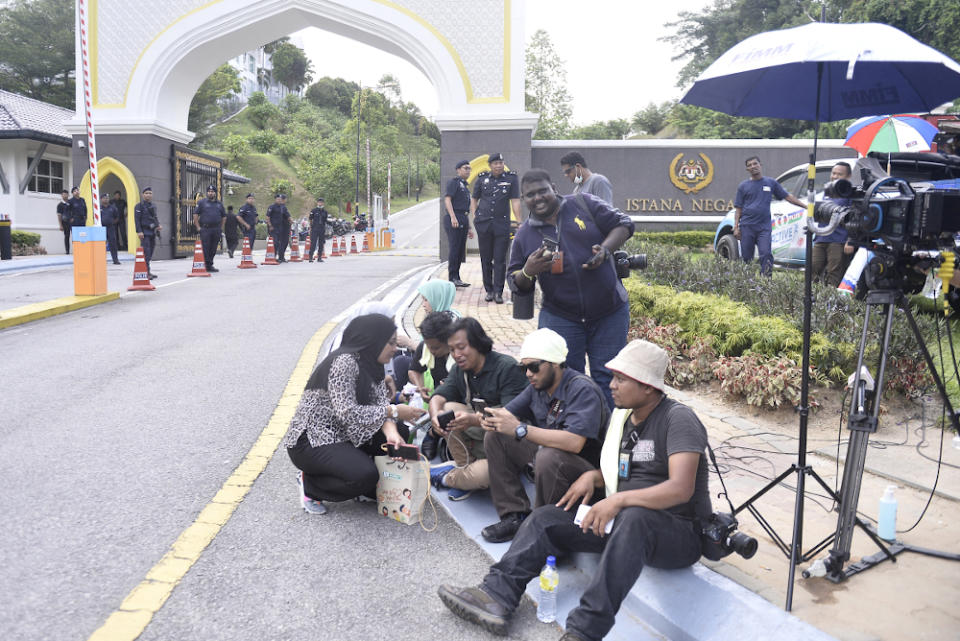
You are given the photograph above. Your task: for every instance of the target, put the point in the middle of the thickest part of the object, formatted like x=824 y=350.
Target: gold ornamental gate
x=192 y=172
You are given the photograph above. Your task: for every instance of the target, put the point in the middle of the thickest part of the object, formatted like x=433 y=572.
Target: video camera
x=625 y=262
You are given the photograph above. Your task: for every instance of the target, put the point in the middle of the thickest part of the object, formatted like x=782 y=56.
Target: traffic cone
x=366 y=243
x=353 y=244
x=335 y=247
x=271 y=257
x=141 y=276
x=307 y=248
x=199 y=264
x=294 y=250
x=246 y=257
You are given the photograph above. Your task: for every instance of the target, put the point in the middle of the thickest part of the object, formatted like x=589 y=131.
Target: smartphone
x=582 y=512
x=409 y=452
x=549 y=245
x=479 y=406
x=444 y=419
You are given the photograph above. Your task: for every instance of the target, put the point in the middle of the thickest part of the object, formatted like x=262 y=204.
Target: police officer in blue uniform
x=278 y=223
x=78 y=209
x=495 y=194
x=110 y=218
x=147 y=225
x=318 y=229
x=65 y=218
x=247 y=216
x=456 y=201
x=209 y=216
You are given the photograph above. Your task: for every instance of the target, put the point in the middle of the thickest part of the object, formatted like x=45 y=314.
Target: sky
x=615 y=63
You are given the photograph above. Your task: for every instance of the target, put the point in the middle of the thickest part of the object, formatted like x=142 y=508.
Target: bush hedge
x=25 y=238
x=691 y=239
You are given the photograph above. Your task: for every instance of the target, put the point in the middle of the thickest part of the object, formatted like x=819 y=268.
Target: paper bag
x=402 y=488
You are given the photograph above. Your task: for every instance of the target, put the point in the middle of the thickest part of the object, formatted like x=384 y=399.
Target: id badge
x=556 y=267
x=623 y=468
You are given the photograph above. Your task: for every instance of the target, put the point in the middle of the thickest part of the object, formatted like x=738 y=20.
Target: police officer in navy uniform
x=209 y=216
x=456 y=201
x=110 y=218
x=278 y=223
x=247 y=217
x=318 y=229
x=495 y=194
x=78 y=209
x=147 y=225
x=64 y=217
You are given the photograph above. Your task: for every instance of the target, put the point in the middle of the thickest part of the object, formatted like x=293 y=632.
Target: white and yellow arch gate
x=148 y=58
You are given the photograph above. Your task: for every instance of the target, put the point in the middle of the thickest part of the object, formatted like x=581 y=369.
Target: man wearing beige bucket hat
x=556 y=423
x=653 y=470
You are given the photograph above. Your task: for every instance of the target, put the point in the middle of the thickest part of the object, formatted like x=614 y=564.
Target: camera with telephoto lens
x=720 y=537
x=625 y=262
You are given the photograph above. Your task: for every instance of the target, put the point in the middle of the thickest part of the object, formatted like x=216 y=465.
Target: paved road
x=120 y=422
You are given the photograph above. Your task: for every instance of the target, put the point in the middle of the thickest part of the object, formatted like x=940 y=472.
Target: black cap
x=250 y=196
x=212 y=188
x=462 y=163
x=146 y=189
x=105 y=195
x=279 y=196
x=495 y=157
x=320 y=199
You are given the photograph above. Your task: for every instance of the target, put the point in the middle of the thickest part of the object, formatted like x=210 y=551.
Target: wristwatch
x=521 y=432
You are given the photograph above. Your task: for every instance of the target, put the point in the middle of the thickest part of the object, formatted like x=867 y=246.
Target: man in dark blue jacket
x=248 y=217
x=210 y=216
x=78 y=209
x=110 y=218
x=278 y=224
x=567 y=244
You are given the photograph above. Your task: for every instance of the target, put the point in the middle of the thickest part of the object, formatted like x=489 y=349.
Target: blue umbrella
x=824 y=72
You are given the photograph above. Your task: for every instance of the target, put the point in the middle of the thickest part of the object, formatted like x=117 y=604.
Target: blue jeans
x=600 y=339
x=757 y=234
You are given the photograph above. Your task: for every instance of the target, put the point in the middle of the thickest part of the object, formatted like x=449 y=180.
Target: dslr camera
x=720 y=537
x=625 y=262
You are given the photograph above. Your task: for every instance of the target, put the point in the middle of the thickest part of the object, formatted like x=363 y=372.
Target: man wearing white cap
x=556 y=423
x=655 y=476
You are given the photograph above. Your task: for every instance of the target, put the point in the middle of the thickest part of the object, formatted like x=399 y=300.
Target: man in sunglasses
x=556 y=423
x=584 y=181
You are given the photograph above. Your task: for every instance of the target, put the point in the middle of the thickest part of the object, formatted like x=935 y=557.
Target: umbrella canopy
x=888 y=134
x=859 y=69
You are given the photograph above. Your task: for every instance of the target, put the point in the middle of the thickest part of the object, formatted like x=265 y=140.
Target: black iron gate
x=192 y=172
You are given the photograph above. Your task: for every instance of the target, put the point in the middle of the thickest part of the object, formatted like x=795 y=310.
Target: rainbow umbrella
x=888 y=134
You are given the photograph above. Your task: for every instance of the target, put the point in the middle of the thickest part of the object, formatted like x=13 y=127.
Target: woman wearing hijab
x=437 y=296
x=344 y=417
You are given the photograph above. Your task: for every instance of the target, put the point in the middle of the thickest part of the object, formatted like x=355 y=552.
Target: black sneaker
x=211 y=268
x=505 y=530
x=498 y=298
x=488 y=297
x=476 y=606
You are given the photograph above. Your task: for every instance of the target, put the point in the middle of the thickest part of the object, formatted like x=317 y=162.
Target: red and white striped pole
x=389 y=180
x=87 y=107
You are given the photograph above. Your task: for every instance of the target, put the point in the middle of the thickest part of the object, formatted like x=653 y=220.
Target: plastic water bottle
x=887 y=518
x=549 y=582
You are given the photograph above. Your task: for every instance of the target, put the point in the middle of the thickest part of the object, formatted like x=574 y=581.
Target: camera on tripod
x=720 y=538
x=891 y=211
x=625 y=262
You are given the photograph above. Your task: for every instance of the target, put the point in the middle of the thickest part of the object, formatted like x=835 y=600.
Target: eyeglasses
x=533 y=368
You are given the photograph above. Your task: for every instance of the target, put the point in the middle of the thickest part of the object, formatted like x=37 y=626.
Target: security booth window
x=48 y=178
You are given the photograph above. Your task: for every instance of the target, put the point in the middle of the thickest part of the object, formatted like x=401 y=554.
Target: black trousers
x=318 y=236
x=281 y=239
x=113 y=240
x=640 y=537
x=148 y=243
x=210 y=239
x=66 y=237
x=493 y=244
x=457 y=241
x=340 y=471
x=232 y=242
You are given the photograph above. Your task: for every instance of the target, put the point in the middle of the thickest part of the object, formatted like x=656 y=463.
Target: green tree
x=205 y=108
x=932 y=22
x=616 y=129
x=291 y=67
x=333 y=93
x=236 y=147
x=652 y=118
x=546 y=87
x=37 y=50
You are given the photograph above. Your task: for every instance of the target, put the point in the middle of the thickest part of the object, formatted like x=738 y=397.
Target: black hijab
x=365 y=336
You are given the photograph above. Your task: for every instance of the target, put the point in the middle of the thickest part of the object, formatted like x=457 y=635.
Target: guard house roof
x=234 y=177
x=22 y=117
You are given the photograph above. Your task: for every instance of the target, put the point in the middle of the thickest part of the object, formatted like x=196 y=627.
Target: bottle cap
x=888 y=493
x=552 y=560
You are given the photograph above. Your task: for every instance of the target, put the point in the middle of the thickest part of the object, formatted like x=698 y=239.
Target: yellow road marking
x=48 y=308
x=144 y=601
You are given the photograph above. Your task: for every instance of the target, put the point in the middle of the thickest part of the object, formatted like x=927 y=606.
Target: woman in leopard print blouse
x=344 y=416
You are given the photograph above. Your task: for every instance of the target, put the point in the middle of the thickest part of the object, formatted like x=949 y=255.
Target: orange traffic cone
x=141 y=276
x=271 y=257
x=294 y=250
x=307 y=248
x=353 y=244
x=246 y=258
x=366 y=243
x=335 y=247
x=199 y=264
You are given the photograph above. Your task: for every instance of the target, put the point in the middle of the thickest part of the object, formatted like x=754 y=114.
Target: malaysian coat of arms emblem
x=692 y=174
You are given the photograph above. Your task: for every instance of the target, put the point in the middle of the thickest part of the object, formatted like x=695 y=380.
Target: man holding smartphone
x=557 y=424
x=479 y=378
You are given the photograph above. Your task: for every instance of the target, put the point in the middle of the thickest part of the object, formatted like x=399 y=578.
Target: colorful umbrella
x=888 y=134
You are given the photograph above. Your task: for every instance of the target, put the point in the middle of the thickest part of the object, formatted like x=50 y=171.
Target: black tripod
x=864 y=409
